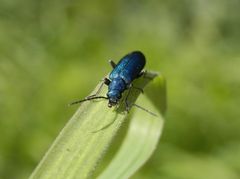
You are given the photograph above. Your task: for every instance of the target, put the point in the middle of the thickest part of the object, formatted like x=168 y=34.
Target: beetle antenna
x=87 y=99
x=140 y=107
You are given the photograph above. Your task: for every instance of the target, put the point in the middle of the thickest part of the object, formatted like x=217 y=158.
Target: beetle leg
x=127 y=106
x=126 y=99
x=112 y=63
x=137 y=88
x=126 y=102
x=142 y=73
x=105 y=81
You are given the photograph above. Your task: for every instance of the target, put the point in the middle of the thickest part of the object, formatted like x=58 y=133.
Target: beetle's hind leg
x=137 y=88
x=128 y=106
x=126 y=99
x=112 y=63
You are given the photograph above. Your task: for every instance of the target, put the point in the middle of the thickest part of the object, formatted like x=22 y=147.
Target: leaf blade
x=141 y=140
x=73 y=154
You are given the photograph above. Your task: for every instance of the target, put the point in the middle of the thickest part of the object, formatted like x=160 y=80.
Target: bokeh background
x=53 y=52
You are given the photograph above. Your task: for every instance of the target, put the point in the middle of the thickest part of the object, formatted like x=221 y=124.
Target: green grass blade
x=142 y=137
x=83 y=141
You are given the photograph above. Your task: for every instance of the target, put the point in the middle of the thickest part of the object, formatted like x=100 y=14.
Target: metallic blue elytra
x=128 y=68
x=120 y=79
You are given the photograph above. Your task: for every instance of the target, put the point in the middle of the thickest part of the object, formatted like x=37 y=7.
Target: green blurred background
x=53 y=52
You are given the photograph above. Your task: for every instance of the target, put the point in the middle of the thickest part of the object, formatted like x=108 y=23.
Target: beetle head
x=114 y=99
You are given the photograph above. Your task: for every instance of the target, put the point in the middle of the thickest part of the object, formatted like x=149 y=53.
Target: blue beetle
x=120 y=79
x=128 y=68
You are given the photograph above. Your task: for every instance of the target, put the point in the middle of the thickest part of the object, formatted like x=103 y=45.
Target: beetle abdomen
x=129 y=67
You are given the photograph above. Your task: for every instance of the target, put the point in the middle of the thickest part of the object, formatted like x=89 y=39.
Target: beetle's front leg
x=105 y=81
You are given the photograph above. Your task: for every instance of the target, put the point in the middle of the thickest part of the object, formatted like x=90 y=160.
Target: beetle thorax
x=115 y=90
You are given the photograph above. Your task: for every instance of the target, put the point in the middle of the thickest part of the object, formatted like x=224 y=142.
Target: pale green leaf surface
x=84 y=140
x=142 y=136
